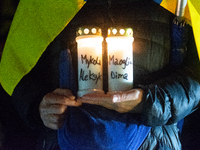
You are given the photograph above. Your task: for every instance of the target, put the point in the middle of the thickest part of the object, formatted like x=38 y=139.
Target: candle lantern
x=120 y=59
x=89 y=45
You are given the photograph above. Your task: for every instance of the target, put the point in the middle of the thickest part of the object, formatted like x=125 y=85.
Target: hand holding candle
x=128 y=101
x=54 y=105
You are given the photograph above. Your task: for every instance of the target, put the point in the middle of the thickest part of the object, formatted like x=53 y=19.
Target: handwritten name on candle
x=91 y=60
x=116 y=75
x=89 y=76
x=116 y=61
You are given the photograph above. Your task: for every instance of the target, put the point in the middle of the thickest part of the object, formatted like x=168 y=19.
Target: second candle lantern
x=120 y=59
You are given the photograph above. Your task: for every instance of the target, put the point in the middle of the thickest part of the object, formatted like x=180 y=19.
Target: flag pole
x=180 y=9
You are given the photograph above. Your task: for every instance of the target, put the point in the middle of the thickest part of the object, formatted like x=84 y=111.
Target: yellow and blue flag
x=35 y=25
x=192 y=15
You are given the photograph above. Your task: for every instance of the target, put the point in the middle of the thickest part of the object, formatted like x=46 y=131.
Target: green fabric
x=35 y=25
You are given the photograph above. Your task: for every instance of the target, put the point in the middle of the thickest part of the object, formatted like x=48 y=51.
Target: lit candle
x=120 y=59
x=90 y=77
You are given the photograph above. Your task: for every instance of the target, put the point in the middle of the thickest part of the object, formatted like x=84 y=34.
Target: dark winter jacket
x=170 y=95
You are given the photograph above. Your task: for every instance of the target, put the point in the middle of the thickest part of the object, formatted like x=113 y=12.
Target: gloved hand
x=129 y=101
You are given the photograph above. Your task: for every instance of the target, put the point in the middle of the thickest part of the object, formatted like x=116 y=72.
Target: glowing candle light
x=90 y=77
x=120 y=59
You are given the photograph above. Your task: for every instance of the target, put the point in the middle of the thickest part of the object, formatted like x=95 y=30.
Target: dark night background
x=11 y=135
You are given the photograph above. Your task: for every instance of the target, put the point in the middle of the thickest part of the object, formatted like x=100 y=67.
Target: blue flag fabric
x=178 y=51
x=157 y=1
x=95 y=128
x=64 y=68
x=67 y=79
x=179 y=41
x=91 y=127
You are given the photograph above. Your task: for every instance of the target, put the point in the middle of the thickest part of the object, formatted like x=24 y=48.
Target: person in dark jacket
x=165 y=95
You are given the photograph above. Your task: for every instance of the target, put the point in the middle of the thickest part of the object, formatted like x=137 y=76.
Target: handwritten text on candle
x=86 y=75
x=90 y=61
x=116 y=75
x=91 y=76
x=116 y=61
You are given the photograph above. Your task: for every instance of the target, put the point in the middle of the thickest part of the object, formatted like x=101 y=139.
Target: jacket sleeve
x=172 y=98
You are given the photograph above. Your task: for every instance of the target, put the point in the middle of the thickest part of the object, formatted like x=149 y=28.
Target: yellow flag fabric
x=194 y=7
x=170 y=5
x=192 y=15
x=35 y=25
x=38 y=22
